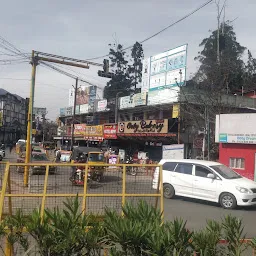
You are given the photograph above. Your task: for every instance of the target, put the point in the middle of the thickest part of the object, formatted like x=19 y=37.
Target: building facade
x=13 y=117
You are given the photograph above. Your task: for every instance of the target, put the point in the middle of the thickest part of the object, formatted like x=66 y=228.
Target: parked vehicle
x=37 y=158
x=210 y=181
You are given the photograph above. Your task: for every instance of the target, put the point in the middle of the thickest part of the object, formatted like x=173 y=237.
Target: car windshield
x=94 y=157
x=225 y=172
x=39 y=157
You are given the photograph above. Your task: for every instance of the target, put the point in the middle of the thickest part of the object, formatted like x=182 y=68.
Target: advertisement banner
x=102 y=105
x=110 y=131
x=175 y=77
x=125 y=102
x=82 y=95
x=84 y=108
x=140 y=99
x=148 y=127
x=71 y=97
x=175 y=151
x=39 y=111
x=158 y=66
x=79 y=129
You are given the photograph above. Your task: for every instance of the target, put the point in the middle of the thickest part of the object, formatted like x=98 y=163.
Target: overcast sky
x=83 y=29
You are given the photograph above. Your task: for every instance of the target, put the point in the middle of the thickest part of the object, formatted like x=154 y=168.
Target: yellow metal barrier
x=49 y=185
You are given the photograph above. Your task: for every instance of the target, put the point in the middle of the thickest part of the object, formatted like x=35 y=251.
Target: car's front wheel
x=169 y=191
x=228 y=201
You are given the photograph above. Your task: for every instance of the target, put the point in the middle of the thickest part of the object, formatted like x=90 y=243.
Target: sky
x=84 y=29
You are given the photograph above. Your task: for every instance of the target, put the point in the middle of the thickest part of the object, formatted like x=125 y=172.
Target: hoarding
x=146 y=127
x=235 y=128
x=69 y=111
x=88 y=130
x=77 y=109
x=110 y=131
x=165 y=70
x=84 y=108
x=168 y=95
x=92 y=97
x=102 y=105
x=138 y=99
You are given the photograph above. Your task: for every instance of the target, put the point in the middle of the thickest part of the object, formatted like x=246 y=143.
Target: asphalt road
x=195 y=212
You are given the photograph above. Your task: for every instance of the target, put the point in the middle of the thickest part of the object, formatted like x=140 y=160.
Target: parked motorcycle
x=132 y=170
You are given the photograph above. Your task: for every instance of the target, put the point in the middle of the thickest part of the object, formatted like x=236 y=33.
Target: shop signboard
x=79 y=129
x=165 y=96
x=92 y=97
x=125 y=102
x=94 y=130
x=228 y=128
x=140 y=99
x=143 y=128
x=84 y=108
x=110 y=131
x=102 y=105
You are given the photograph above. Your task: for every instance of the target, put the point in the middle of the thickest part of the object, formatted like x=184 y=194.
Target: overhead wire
x=160 y=31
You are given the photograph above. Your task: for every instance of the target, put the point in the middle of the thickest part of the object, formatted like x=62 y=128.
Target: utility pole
x=34 y=63
x=74 y=115
x=116 y=107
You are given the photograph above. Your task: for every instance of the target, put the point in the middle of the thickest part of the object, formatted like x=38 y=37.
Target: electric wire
x=162 y=30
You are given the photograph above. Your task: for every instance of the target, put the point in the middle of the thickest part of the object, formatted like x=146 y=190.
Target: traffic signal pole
x=30 y=113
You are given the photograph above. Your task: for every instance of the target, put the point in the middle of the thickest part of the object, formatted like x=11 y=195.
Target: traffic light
x=105 y=72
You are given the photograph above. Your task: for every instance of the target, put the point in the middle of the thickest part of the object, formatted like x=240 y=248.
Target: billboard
x=39 y=111
x=88 y=130
x=84 y=108
x=62 y=111
x=102 y=105
x=79 y=129
x=85 y=95
x=168 y=95
x=69 y=111
x=235 y=128
x=143 y=128
x=109 y=131
x=165 y=70
x=175 y=151
x=138 y=99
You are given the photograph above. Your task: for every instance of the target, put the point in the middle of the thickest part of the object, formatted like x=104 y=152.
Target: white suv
x=205 y=180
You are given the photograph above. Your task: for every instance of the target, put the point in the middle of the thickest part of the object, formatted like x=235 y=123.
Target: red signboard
x=110 y=131
x=148 y=134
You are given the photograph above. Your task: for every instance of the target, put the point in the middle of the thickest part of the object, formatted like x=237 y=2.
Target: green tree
x=226 y=75
x=120 y=81
x=250 y=73
x=135 y=69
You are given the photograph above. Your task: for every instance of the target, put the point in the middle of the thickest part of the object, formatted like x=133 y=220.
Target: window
x=184 y=168
x=169 y=166
x=225 y=172
x=202 y=171
x=237 y=163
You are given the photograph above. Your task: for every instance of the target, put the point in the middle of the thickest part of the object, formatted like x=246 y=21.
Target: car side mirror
x=210 y=176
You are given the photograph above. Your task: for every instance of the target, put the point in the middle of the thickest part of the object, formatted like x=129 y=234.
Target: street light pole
x=116 y=106
x=30 y=113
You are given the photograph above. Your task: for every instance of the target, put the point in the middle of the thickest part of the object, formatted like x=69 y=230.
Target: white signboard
x=126 y=102
x=84 y=108
x=236 y=128
x=168 y=95
x=71 y=97
x=145 y=75
x=175 y=151
x=102 y=105
x=166 y=69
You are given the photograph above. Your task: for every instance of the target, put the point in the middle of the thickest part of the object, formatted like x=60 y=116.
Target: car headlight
x=244 y=190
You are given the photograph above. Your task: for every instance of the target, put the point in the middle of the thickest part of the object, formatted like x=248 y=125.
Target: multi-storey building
x=13 y=117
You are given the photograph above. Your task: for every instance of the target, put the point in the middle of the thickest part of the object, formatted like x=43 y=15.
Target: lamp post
x=116 y=106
